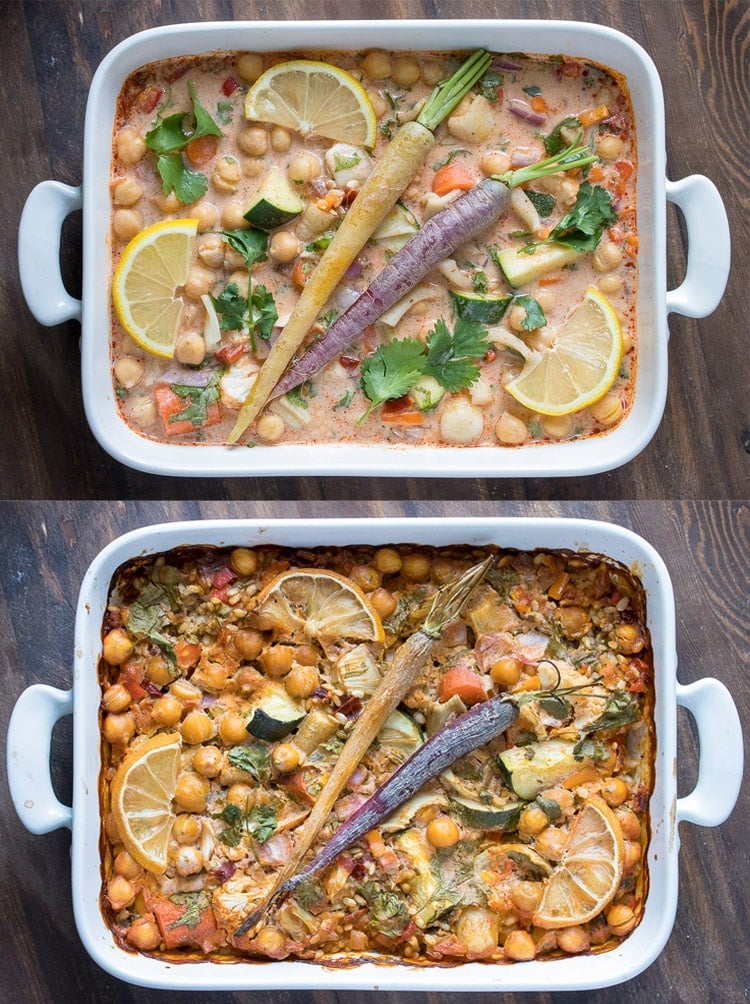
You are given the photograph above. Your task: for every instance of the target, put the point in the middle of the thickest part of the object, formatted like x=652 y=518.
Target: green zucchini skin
x=275 y=714
x=530 y=769
x=275 y=204
x=483 y=309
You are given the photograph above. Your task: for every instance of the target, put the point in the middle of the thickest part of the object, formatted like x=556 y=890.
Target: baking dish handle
x=37 y=711
x=39 y=235
x=709 y=247
x=721 y=753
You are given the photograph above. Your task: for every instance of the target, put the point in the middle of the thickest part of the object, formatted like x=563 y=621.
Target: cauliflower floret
x=239 y=895
x=347 y=163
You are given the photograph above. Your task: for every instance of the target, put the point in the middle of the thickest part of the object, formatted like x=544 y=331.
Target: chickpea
x=117 y=647
x=628 y=638
x=186 y=829
x=415 y=567
x=158 y=670
x=632 y=855
x=191 y=792
x=249 y=643
x=383 y=601
x=253 y=140
x=608 y=411
x=621 y=919
x=251 y=168
x=546 y=299
x=516 y=317
x=232 y=728
x=143 y=934
x=167 y=710
x=130 y=146
x=307 y=655
x=143 y=410
x=197 y=728
x=609 y=146
x=190 y=348
x=551 y=843
x=574 y=622
x=519 y=946
x=433 y=71
x=211 y=251
x=240 y=794
x=473 y=120
x=250 y=66
x=481 y=394
x=557 y=426
x=127 y=192
x=241 y=280
x=629 y=823
x=285 y=758
x=610 y=284
x=128 y=371
x=511 y=430
x=277 y=660
x=406 y=71
x=243 y=561
x=532 y=821
x=233 y=216
x=199 y=282
x=387 y=561
x=120 y=893
x=494 y=162
x=118 y=729
x=270 y=427
x=270 y=940
x=283 y=247
x=281 y=139
x=301 y=681
x=116 y=698
x=126 y=223
x=206 y=215
x=366 y=577
x=377 y=64
x=607 y=256
x=303 y=168
x=506 y=672
x=379 y=104
x=127 y=866
x=573 y=940
x=226 y=175
x=461 y=422
x=167 y=202
x=188 y=861
x=442 y=832
x=526 y=896
x=207 y=761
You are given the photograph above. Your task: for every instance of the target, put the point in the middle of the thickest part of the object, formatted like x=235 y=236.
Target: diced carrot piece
x=616 y=233
x=401 y=411
x=583 y=776
x=550 y=280
x=557 y=588
x=199 y=151
x=624 y=168
x=596 y=173
x=386 y=857
x=303 y=269
x=200 y=930
x=464 y=683
x=187 y=653
x=170 y=404
x=593 y=115
x=530 y=683
x=631 y=244
x=539 y=104
x=451 y=177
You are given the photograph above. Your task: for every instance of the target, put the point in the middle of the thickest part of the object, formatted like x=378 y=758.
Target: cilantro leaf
x=252 y=244
x=320 y=243
x=489 y=84
x=533 y=91
x=195 y=903
x=452 y=359
x=479 y=282
x=543 y=203
x=300 y=395
x=187 y=185
x=391 y=371
x=554 y=143
x=253 y=759
x=583 y=226
x=199 y=398
x=231 y=306
x=224 y=112
x=343 y=163
x=261 y=822
x=204 y=124
x=150 y=612
x=454 y=153
x=534 y=314
x=167 y=135
x=264 y=313
x=344 y=401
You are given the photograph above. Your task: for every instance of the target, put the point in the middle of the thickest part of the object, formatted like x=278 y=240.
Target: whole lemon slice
x=152 y=268
x=581 y=365
x=142 y=792
x=589 y=872
x=319 y=604
x=313 y=99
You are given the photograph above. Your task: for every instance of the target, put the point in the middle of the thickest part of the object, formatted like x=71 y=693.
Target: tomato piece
x=219 y=583
x=230 y=353
x=229 y=86
x=171 y=404
x=149 y=98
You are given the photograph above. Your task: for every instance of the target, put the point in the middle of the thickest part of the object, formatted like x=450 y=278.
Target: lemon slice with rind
x=319 y=604
x=142 y=792
x=581 y=365
x=145 y=286
x=589 y=872
x=313 y=99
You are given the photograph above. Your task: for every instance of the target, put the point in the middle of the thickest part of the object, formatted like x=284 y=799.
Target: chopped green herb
x=224 y=112
x=251 y=243
x=300 y=395
x=454 y=153
x=343 y=402
x=543 y=203
x=195 y=903
x=263 y=312
x=320 y=243
x=328 y=318
x=231 y=308
x=199 y=398
x=534 y=315
x=122 y=392
x=452 y=359
x=489 y=84
x=391 y=371
x=533 y=91
x=554 y=143
x=187 y=185
x=251 y=758
x=583 y=226
x=261 y=822
x=343 y=163
x=479 y=282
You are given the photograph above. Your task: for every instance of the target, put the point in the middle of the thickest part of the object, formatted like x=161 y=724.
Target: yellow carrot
x=390 y=178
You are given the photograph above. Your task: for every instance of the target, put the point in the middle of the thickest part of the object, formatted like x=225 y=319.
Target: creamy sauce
x=482 y=135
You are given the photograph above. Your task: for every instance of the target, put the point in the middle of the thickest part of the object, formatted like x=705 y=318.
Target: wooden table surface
x=50 y=52
x=48 y=547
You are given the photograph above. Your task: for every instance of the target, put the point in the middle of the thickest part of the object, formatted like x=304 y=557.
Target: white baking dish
x=720 y=771
x=699 y=294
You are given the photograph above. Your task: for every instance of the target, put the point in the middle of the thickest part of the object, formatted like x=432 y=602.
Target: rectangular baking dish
x=720 y=772
x=700 y=293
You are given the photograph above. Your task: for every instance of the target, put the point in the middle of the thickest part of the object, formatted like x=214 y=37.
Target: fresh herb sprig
x=583 y=226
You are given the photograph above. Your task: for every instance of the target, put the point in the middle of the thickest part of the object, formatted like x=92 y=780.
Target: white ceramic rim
x=622 y=963
x=589 y=456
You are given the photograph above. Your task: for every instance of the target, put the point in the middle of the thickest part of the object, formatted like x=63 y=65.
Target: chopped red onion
x=187 y=377
x=522 y=156
x=505 y=63
x=275 y=851
x=524 y=111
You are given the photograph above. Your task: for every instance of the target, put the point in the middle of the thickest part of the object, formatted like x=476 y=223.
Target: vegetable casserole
x=236 y=682
x=255 y=207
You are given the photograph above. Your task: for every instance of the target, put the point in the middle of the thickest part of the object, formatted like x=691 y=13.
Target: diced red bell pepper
x=149 y=98
x=229 y=86
x=219 y=583
x=230 y=353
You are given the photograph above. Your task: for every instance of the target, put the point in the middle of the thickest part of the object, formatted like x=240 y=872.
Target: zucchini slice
x=488 y=817
x=479 y=307
x=275 y=203
x=275 y=714
x=530 y=769
x=520 y=269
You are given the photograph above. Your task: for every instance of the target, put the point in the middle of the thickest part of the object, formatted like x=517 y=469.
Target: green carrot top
x=447 y=94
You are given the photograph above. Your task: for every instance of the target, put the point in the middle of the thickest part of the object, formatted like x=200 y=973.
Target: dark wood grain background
x=50 y=51
x=48 y=547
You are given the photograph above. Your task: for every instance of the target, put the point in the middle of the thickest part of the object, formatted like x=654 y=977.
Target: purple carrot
x=481 y=724
x=458 y=223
